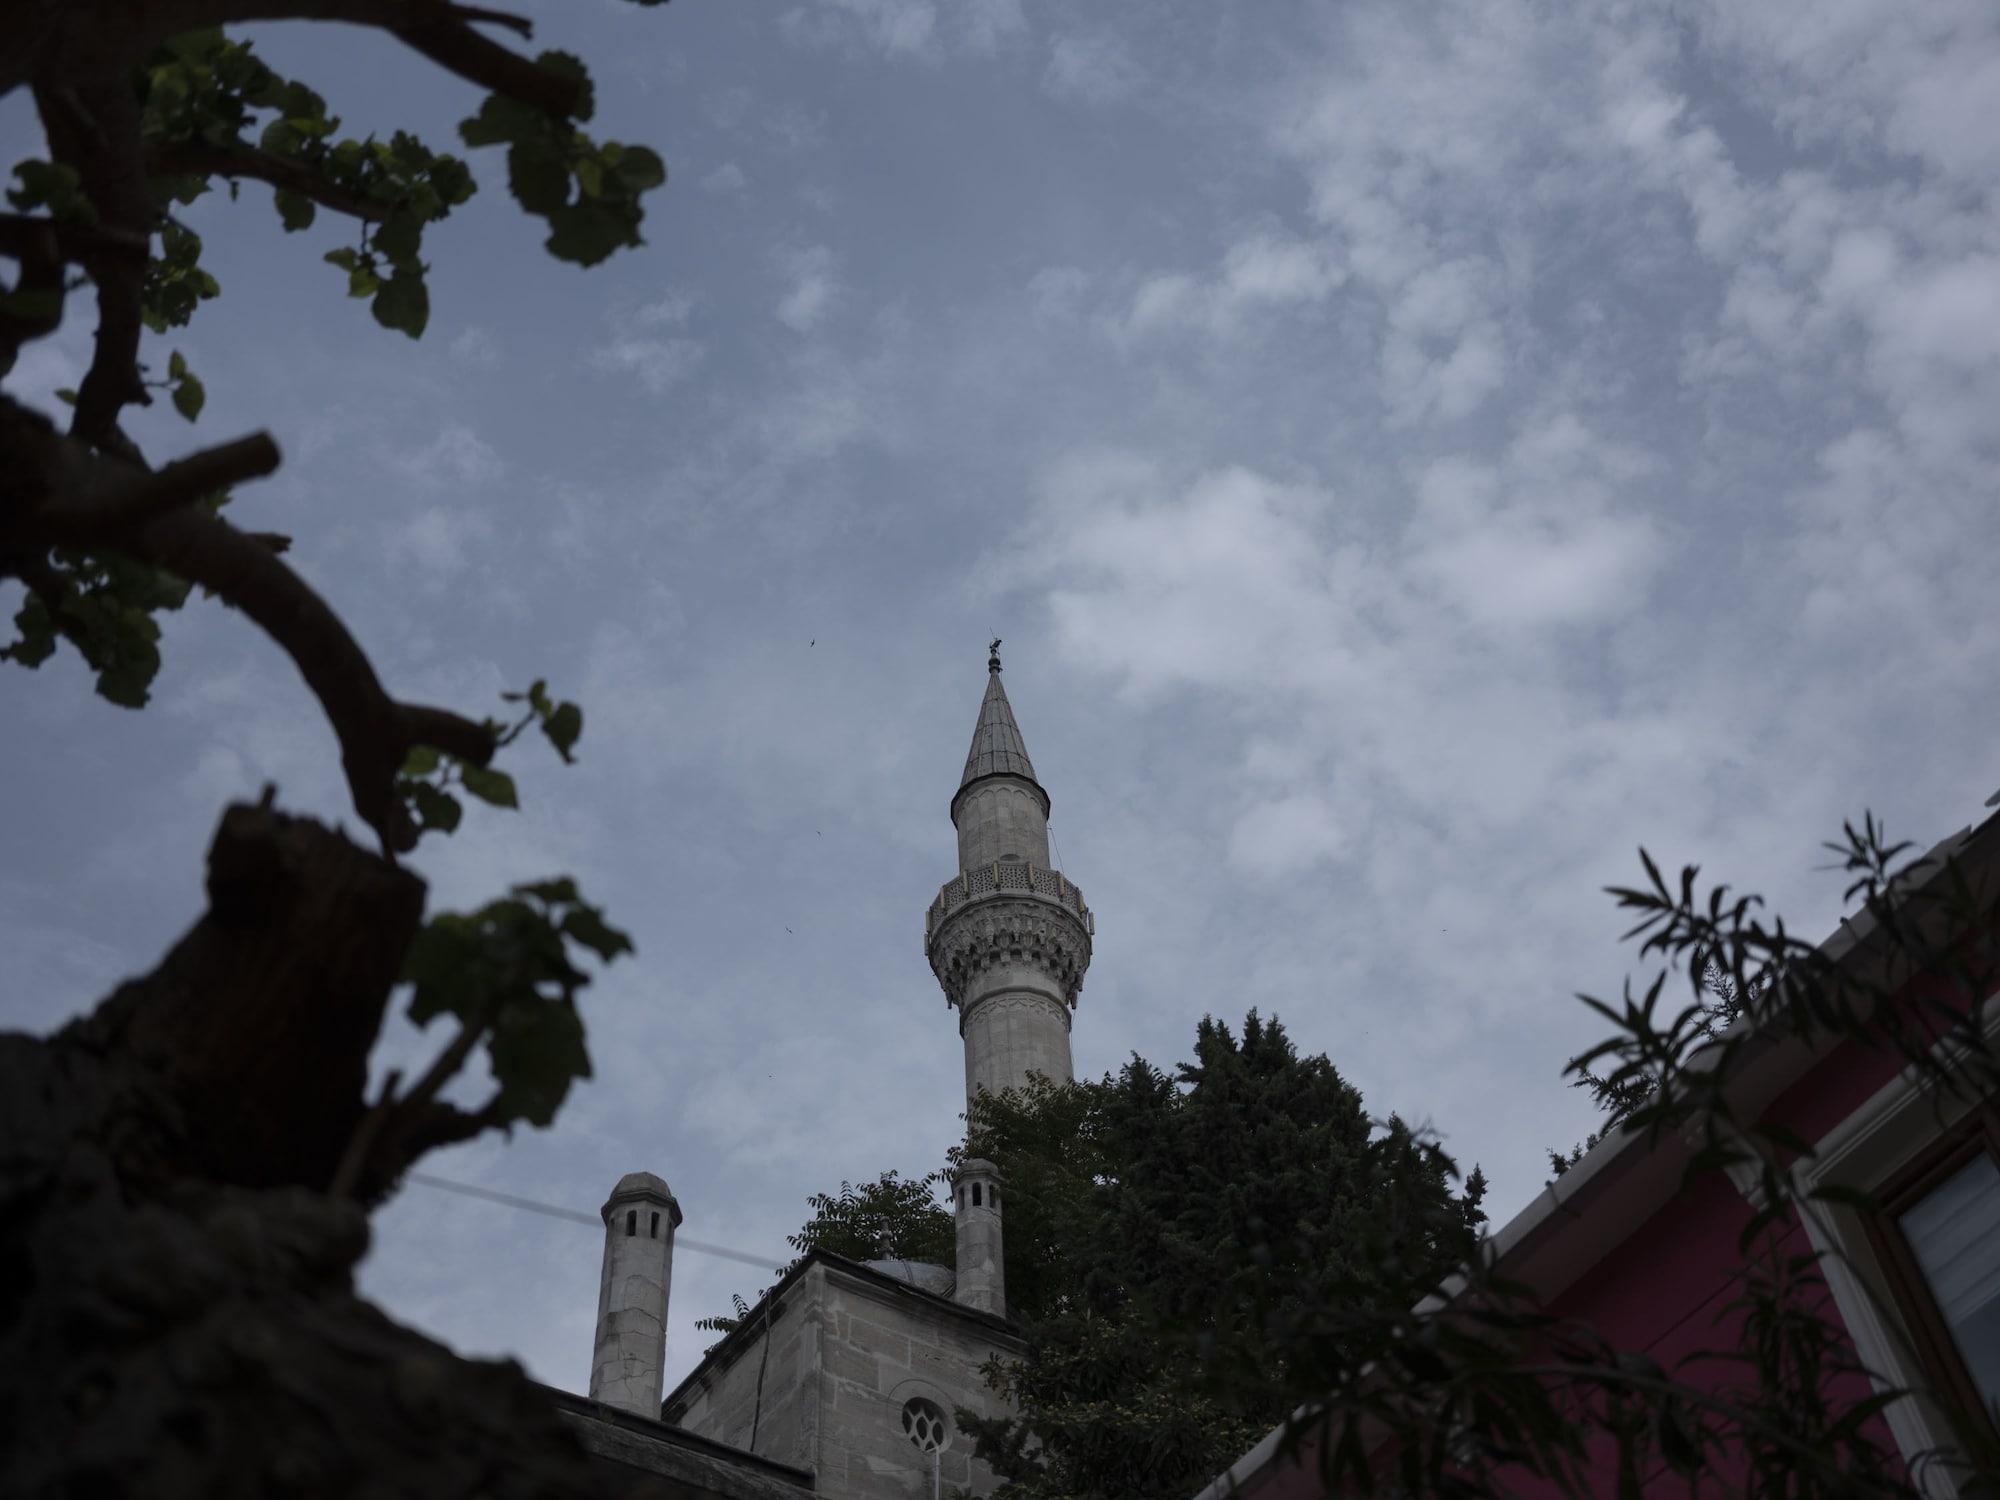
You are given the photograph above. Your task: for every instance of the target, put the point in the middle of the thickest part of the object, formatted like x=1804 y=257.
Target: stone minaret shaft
x=640 y=1218
x=1007 y=937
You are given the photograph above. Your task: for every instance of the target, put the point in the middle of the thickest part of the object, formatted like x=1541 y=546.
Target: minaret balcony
x=1006 y=877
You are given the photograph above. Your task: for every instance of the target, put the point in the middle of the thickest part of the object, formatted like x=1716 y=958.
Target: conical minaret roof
x=997 y=746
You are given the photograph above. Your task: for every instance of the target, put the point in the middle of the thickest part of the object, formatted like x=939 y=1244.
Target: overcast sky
x=1415 y=453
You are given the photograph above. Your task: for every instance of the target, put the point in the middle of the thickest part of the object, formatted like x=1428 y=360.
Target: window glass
x=1954 y=1230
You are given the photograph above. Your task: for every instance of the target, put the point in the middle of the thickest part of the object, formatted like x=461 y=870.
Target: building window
x=925 y=1424
x=655 y=1232
x=631 y=1222
x=995 y=1196
x=1940 y=1248
x=975 y=1195
x=1909 y=1297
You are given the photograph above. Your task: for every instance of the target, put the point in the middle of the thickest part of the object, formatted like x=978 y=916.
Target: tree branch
x=192 y=159
x=35 y=305
x=93 y=126
x=399 y=1131
x=20 y=233
x=54 y=480
x=456 y=47
x=376 y=733
x=143 y=497
x=441 y=31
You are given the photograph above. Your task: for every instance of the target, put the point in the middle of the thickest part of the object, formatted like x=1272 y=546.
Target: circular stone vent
x=926 y=1425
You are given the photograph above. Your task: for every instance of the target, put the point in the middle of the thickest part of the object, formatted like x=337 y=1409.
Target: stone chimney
x=982 y=1278
x=640 y=1218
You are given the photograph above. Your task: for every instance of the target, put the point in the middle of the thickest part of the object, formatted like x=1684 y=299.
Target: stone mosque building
x=842 y=1380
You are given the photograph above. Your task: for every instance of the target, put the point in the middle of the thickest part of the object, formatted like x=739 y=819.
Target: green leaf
x=398 y=238
x=563 y=726
x=176 y=366
x=536 y=1051
x=500 y=120
x=569 y=65
x=38 y=634
x=281 y=138
x=560 y=890
x=66 y=396
x=189 y=396
x=421 y=761
x=639 y=168
x=435 y=808
x=538 y=177
x=588 y=231
x=489 y=785
x=403 y=302
x=296 y=210
x=589 y=928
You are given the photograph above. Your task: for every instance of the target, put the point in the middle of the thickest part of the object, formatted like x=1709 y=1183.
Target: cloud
x=727 y=178
x=475 y=348
x=456 y=457
x=1098 y=69
x=1056 y=292
x=669 y=310
x=811 y=290
x=1539 y=538
x=437 y=542
x=899 y=28
x=906 y=30
x=986 y=25
x=646 y=349
x=1265 y=270
x=1284 y=836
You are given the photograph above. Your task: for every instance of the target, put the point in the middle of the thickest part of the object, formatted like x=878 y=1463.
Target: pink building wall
x=1664 y=1289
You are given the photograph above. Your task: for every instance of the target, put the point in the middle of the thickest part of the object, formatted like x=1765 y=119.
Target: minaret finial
x=993 y=655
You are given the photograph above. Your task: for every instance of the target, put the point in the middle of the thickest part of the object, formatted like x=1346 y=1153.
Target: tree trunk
x=177 y=1314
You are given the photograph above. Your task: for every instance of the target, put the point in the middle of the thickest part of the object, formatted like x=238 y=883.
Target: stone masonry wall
x=882 y=1348
x=846 y=1353
x=785 y=1355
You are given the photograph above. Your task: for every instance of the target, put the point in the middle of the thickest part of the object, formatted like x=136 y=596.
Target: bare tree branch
x=461 y=50
x=446 y=731
x=192 y=159
x=143 y=497
x=19 y=232
x=94 y=128
x=376 y=733
x=35 y=305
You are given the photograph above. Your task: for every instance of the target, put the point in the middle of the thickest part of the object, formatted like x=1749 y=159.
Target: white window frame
x=1902 y=1119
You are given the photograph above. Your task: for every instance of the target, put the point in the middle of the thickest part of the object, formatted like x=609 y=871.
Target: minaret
x=1007 y=937
x=640 y=1218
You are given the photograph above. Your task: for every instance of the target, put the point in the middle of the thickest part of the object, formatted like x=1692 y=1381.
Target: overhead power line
x=554 y=1211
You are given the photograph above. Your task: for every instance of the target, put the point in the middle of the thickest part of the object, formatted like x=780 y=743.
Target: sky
x=1414 y=454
